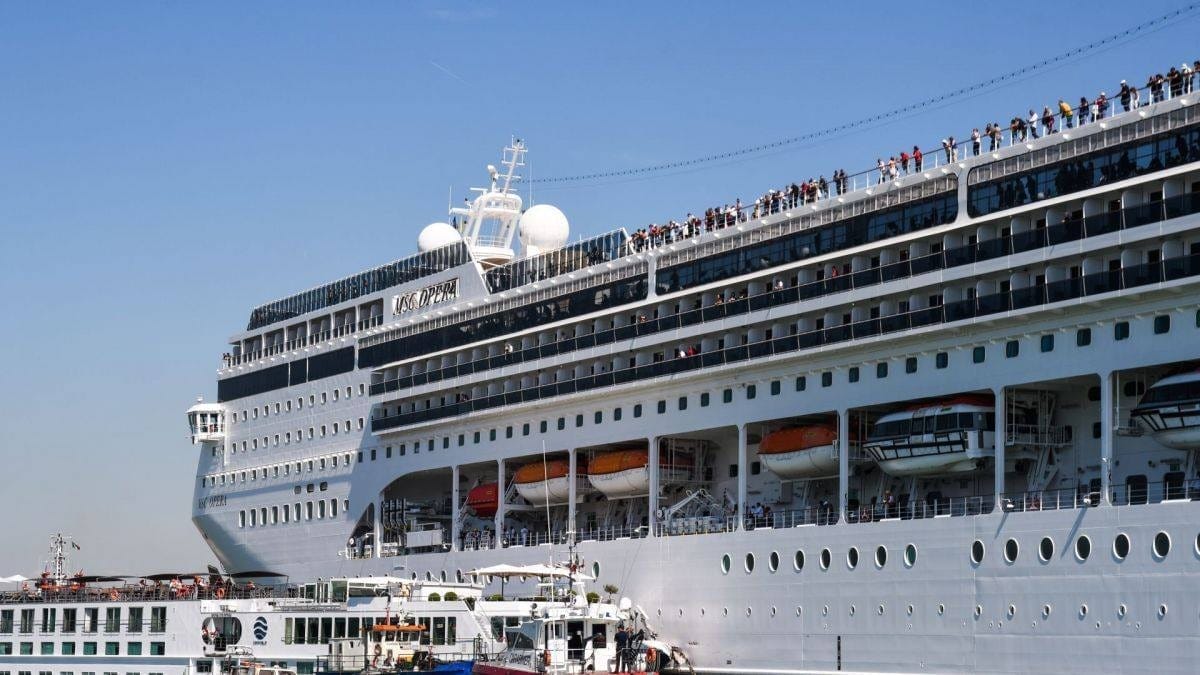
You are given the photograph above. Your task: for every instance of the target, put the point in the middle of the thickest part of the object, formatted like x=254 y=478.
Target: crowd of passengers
x=1177 y=81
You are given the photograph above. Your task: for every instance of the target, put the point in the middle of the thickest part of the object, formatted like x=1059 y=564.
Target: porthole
x=1012 y=611
x=852 y=608
x=725 y=564
x=1046 y=611
x=1162 y=545
x=749 y=564
x=977 y=551
x=799 y=611
x=910 y=555
x=941 y=609
x=1121 y=611
x=1121 y=546
x=880 y=556
x=773 y=610
x=749 y=611
x=1162 y=611
x=660 y=611
x=978 y=611
x=681 y=612
x=1011 y=549
x=825 y=610
x=880 y=609
x=852 y=558
x=1083 y=547
x=701 y=611
x=826 y=557
x=798 y=560
x=1197 y=546
x=1083 y=610
x=773 y=561
x=724 y=611
x=596 y=569
x=1046 y=549
x=910 y=610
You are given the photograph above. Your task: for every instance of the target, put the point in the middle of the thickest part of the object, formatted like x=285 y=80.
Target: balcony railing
x=318 y=337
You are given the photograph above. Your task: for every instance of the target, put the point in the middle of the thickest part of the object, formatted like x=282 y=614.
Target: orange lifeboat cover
x=798 y=438
x=484 y=499
x=537 y=472
x=619 y=460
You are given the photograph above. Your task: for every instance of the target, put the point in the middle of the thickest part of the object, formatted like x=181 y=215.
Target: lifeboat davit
x=932 y=439
x=542 y=483
x=801 y=452
x=1171 y=410
x=484 y=499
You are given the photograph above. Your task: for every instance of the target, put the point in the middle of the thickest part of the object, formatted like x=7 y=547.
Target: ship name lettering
x=430 y=295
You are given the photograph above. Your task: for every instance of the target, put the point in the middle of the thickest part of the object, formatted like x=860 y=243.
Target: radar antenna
x=490 y=220
x=57 y=563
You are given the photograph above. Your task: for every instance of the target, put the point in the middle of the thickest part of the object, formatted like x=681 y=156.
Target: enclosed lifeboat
x=944 y=437
x=801 y=452
x=622 y=473
x=484 y=499
x=1171 y=410
x=542 y=483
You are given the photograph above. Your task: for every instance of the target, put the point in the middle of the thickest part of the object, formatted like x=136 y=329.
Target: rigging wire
x=940 y=100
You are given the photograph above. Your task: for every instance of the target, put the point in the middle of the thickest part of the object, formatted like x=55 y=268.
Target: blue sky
x=166 y=166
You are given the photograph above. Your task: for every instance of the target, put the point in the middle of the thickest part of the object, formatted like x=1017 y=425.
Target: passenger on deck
x=622 y=641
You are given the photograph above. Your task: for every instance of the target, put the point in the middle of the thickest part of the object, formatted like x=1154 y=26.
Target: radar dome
x=437 y=235
x=543 y=228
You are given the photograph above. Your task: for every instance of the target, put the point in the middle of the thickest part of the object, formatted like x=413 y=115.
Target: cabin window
x=616 y=414
x=683 y=401
x=727 y=396
x=775 y=387
x=662 y=407
x=1048 y=343
x=826 y=379
x=1012 y=348
x=802 y=382
x=525 y=429
x=1121 y=330
x=704 y=398
x=881 y=370
x=1162 y=324
x=853 y=374
x=978 y=354
x=751 y=391
x=910 y=364
x=597 y=417
x=637 y=410
x=733 y=470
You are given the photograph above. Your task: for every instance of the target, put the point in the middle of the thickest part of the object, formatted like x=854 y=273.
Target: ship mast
x=57 y=563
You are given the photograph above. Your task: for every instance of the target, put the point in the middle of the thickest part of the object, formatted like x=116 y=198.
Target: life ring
x=112 y=594
x=378 y=650
x=220 y=593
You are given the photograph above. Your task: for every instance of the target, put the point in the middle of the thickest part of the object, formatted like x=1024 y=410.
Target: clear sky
x=166 y=166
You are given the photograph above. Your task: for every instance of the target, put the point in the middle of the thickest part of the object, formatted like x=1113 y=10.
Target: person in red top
x=904 y=161
x=917 y=158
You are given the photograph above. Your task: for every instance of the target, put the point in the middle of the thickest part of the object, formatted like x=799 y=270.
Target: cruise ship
x=940 y=421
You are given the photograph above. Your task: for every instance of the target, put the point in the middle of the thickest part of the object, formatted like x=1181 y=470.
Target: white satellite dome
x=543 y=228
x=437 y=235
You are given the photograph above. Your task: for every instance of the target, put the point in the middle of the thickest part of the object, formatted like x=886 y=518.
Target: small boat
x=621 y=474
x=950 y=436
x=542 y=483
x=389 y=647
x=484 y=499
x=801 y=452
x=1170 y=408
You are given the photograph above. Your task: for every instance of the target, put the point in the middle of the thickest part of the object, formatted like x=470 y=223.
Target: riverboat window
x=525 y=429
x=1048 y=343
x=616 y=414
x=881 y=370
x=68 y=649
x=1121 y=330
x=827 y=379
x=112 y=619
x=775 y=387
x=89 y=649
x=683 y=402
x=662 y=407
x=112 y=648
x=910 y=364
x=133 y=649
x=69 y=614
x=704 y=399
x=508 y=432
x=46 y=648
x=637 y=410
x=801 y=383
x=158 y=648
x=978 y=355
x=853 y=374
x=542 y=426
x=5 y=650
x=6 y=621
x=751 y=391
x=727 y=395
x=49 y=619
x=598 y=417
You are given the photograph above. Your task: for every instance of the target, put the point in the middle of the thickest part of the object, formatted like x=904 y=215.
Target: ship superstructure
x=940 y=423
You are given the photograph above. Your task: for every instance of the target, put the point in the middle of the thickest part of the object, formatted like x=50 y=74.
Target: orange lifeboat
x=801 y=452
x=484 y=499
x=620 y=473
x=548 y=482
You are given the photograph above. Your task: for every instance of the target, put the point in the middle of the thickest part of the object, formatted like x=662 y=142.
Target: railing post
x=1106 y=437
x=1001 y=436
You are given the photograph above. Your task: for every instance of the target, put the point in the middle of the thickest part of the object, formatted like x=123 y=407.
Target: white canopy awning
x=539 y=570
x=14 y=579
